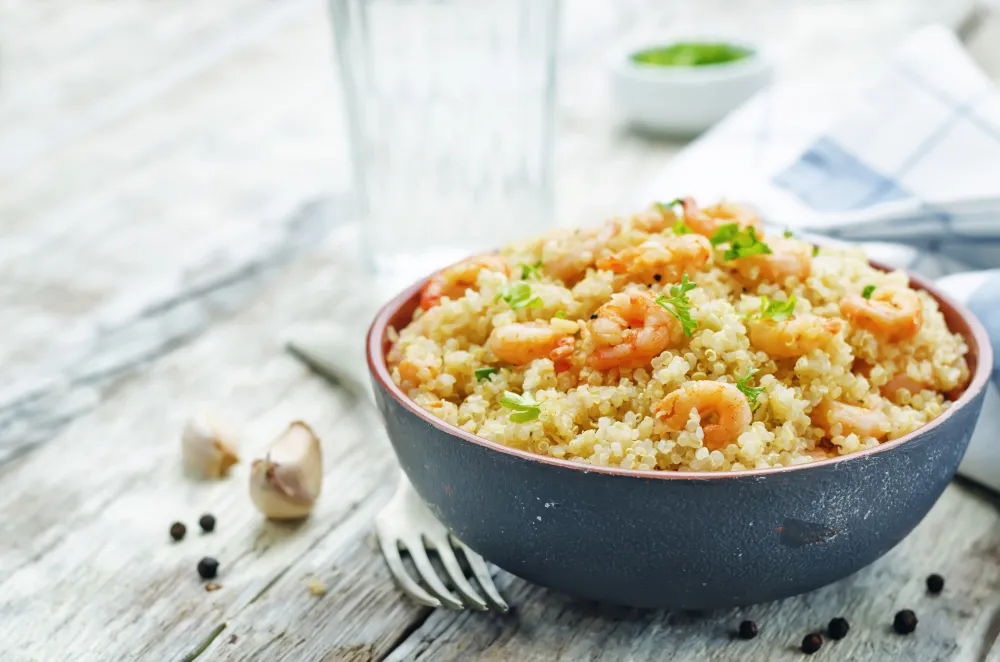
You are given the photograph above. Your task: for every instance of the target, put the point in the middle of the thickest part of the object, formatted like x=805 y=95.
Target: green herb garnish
x=690 y=54
x=725 y=234
x=679 y=306
x=746 y=244
x=751 y=392
x=519 y=296
x=531 y=271
x=681 y=228
x=867 y=292
x=484 y=373
x=815 y=251
x=525 y=409
x=742 y=243
x=775 y=310
x=787 y=234
x=560 y=314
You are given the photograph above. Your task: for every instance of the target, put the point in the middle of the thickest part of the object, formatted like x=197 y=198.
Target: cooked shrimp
x=789 y=257
x=837 y=418
x=630 y=330
x=793 y=337
x=706 y=221
x=899 y=382
x=413 y=373
x=660 y=258
x=891 y=313
x=895 y=384
x=522 y=343
x=562 y=354
x=724 y=411
x=568 y=257
x=654 y=220
x=456 y=279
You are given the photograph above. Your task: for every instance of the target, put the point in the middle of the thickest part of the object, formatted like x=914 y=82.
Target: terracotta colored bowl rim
x=980 y=357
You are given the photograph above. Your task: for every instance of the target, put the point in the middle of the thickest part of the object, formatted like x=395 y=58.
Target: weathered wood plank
x=163 y=324
x=348 y=622
x=72 y=68
x=86 y=515
x=166 y=210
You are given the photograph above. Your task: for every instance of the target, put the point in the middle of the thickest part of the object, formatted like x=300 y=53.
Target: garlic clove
x=286 y=483
x=208 y=445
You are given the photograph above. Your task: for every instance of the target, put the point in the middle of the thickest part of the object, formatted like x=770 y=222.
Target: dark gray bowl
x=670 y=539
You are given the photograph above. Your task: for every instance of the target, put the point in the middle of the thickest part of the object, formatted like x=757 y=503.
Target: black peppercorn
x=935 y=583
x=177 y=530
x=594 y=316
x=657 y=277
x=748 y=630
x=208 y=568
x=812 y=643
x=905 y=622
x=838 y=628
x=207 y=523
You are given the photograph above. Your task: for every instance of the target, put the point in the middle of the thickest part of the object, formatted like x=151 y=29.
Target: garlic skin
x=208 y=445
x=286 y=483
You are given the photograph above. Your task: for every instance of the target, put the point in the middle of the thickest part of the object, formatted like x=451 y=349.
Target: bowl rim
x=983 y=350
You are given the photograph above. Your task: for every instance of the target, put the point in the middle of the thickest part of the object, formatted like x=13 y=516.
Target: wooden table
x=172 y=179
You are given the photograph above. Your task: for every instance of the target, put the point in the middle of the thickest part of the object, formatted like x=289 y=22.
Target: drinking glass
x=450 y=107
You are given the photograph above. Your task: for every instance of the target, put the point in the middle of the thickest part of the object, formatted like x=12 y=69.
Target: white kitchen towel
x=909 y=166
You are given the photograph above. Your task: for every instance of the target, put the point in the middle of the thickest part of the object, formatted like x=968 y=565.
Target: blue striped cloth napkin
x=909 y=166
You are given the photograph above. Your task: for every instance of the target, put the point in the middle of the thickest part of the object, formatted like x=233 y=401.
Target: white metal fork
x=405 y=523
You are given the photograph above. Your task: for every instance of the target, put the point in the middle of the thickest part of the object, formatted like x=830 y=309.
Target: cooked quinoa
x=569 y=391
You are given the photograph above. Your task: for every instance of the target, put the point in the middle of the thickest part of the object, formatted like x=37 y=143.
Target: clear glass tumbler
x=450 y=107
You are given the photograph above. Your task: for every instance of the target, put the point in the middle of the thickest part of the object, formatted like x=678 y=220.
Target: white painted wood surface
x=172 y=179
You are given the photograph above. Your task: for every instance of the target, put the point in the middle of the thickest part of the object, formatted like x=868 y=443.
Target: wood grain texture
x=141 y=589
x=161 y=325
x=171 y=178
x=172 y=192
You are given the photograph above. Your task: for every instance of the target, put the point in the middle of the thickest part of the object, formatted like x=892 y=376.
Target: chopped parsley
x=484 y=373
x=779 y=311
x=681 y=228
x=690 y=54
x=787 y=234
x=525 y=409
x=677 y=304
x=742 y=243
x=560 y=314
x=519 y=296
x=815 y=251
x=751 y=392
x=725 y=234
x=867 y=292
x=529 y=271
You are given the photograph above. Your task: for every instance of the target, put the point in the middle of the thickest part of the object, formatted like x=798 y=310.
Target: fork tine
x=482 y=573
x=390 y=552
x=429 y=574
x=455 y=572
